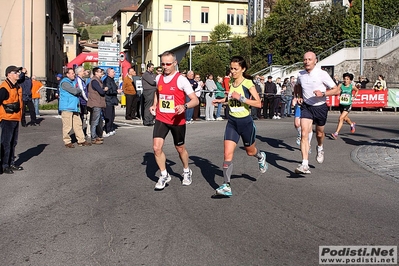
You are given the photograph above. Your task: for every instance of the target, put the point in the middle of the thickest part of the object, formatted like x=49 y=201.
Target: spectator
x=70 y=113
x=198 y=91
x=194 y=85
x=96 y=102
x=149 y=89
x=268 y=98
x=363 y=81
x=289 y=92
x=10 y=116
x=277 y=100
x=111 y=100
x=26 y=84
x=210 y=96
x=36 y=87
x=219 y=95
x=80 y=73
x=381 y=80
x=131 y=94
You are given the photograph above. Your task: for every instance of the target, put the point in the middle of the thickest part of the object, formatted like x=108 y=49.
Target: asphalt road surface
x=97 y=205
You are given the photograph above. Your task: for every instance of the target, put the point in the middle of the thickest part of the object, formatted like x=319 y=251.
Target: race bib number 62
x=166 y=103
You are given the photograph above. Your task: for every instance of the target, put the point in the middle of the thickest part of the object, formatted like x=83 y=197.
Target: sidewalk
x=380 y=157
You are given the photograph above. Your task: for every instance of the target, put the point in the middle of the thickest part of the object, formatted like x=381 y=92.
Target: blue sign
x=269 y=59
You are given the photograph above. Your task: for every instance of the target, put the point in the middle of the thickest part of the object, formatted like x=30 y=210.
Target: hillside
x=86 y=9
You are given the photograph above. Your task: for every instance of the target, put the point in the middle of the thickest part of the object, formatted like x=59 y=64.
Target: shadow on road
x=28 y=154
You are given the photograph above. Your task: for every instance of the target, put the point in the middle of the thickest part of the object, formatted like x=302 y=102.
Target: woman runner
x=240 y=123
x=345 y=103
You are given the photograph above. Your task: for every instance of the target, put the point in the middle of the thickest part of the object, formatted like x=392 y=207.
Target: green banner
x=393 y=97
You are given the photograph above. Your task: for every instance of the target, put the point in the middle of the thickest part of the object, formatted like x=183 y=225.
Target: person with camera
x=10 y=116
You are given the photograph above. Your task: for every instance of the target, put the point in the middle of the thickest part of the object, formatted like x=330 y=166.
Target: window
x=186 y=14
x=168 y=13
x=230 y=16
x=204 y=38
x=204 y=15
x=240 y=17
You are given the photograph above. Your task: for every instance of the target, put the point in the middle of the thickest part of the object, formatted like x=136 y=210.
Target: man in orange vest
x=10 y=116
x=36 y=87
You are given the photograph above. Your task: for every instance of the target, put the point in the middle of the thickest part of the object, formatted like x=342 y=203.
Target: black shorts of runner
x=316 y=113
x=161 y=130
x=346 y=108
x=243 y=127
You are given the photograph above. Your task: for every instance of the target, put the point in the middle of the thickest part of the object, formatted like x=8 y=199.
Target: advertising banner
x=365 y=98
x=393 y=97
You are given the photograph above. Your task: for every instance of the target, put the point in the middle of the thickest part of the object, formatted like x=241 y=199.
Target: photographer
x=10 y=116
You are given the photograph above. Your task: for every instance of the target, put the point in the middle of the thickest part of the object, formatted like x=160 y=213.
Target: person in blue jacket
x=70 y=110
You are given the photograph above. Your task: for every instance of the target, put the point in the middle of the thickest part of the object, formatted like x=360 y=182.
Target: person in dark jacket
x=149 y=89
x=111 y=99
x=26 y=84
x=96 y=102
x=268 y=98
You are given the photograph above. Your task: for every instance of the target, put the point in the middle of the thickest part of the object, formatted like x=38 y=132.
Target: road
x=97 y=205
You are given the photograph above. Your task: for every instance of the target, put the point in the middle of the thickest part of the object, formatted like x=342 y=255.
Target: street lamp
x=362 y=40
x=142 y=45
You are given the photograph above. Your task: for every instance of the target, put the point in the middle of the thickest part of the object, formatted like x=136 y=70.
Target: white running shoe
x=106 y=135
x=302 y=169
x=298 y=140
x=224 y=190
x=263 y=165
x=162 y=181
x=320 y=156
x=187 y=180
x=274 y=117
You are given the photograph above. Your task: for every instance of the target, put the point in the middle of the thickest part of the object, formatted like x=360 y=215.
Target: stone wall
x=388 y=66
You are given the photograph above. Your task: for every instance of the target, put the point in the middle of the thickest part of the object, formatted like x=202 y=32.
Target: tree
x=95 y=20
x=84 y=36
x=108 y=20
x=220 y=32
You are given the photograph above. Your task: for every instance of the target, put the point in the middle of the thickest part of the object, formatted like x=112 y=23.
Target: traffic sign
x=108 y=63
x=108 y=44
x=108 y=58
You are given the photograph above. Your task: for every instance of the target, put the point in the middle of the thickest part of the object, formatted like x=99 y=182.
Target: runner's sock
x=258 y=155
x=227 y=170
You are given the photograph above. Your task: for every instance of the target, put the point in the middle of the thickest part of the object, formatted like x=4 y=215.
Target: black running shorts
x=161 y=130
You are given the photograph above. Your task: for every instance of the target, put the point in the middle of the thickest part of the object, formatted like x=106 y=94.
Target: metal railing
x=373 y=42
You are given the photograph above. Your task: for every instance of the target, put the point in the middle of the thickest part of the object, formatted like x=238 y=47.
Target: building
x=71 y=37
x=31 y=36
x=120 y=30
x=169 y=24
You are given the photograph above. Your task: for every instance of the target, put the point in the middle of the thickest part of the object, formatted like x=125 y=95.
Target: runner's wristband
x=243 y=99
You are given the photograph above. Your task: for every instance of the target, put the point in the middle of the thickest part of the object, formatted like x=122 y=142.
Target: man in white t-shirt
x=311 y=90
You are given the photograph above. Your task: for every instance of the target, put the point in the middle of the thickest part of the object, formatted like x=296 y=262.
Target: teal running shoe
x=263 y=165
x=224 y=190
